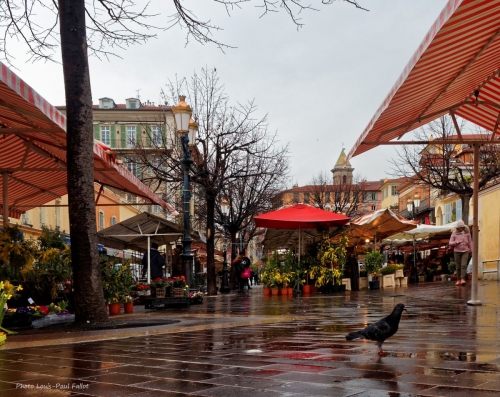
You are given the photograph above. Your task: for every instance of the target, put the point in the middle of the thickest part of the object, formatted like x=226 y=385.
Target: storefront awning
x=33 y=152
x=455 y=70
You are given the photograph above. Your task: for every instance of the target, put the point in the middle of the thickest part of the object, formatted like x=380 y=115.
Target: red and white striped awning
x=33 y=152
x=456 y=70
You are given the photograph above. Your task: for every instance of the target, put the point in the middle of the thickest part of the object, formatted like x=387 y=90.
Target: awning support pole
x=5 y=198
x=475 y=230
x=149 y=260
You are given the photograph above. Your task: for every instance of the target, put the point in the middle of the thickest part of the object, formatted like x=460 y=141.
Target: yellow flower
x=19 y=288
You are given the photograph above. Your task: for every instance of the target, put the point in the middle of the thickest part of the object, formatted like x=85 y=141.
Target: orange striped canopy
x=455 y=70
x=33 y=152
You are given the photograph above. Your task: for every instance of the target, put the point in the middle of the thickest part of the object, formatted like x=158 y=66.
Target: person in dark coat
x=241 y=262
x=157 y=263
x=177 y=269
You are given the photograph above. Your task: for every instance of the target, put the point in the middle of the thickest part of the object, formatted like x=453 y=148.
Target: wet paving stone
x=279 y=347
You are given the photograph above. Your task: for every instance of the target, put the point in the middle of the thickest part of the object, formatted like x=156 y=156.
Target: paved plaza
x=253 y=345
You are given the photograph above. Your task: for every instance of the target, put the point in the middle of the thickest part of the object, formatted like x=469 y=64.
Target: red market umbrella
x=300 y=216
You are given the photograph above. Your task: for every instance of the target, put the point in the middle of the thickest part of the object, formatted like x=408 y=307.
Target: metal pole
x=149 y=260
x=414 y=272
x=224 y=289
x=187 y=256
x=475 y=230
x=5 y=198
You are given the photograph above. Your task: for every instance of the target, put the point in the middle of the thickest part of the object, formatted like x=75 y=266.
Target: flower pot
x=314 y=289
x=282 y=291
x=290 y=290
x=177 y=292
x=363 y=282
x=374 y=284
x=160 y=292
x=267 y=291
x=114 y=308
x=399 y=273
x=274 y=291
x=128 y=307
x=306 y=289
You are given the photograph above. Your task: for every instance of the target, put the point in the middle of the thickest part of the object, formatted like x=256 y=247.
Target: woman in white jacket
x=461 y=242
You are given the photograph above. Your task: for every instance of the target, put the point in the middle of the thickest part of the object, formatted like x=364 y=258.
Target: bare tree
x=264 y=170
x=343 y=197
x=229 y=141
x=448 y=167
x=101 y=28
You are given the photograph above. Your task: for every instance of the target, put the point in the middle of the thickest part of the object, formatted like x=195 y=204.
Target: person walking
x=242 y=264
x=157 y=263
x=461 y=242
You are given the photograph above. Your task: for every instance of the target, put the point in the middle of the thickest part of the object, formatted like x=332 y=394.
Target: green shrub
x=390 y=269
x=373 y=261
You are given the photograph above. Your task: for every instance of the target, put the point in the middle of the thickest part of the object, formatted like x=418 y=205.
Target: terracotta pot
x=314 y=289
x=267 y=291
x=274 y=291
x=114 y=308
x=282 y=291
x=129 y=307
x=290 y=290
x=306 y=289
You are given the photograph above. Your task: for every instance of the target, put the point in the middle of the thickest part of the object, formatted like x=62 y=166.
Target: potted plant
x=7 y=290
x=117 y=282
x=128 y=304
x=373 y=263
x=178 y=286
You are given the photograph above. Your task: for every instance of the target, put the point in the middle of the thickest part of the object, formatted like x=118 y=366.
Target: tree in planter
x=117 y=280
x=373 y=262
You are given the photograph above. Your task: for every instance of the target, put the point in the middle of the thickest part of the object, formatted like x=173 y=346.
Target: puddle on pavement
x=435 y=357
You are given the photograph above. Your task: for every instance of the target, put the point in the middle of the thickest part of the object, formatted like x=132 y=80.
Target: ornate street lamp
x=186 y=128
x=412 y=207
x=224 y=209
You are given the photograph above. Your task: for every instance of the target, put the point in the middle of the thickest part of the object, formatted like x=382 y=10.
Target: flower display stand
x=399 y=273
x=388 y=281
x=363 y=282
x=404 y=281
x=347 y=283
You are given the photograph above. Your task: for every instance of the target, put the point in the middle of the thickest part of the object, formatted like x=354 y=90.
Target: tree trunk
x=211 y=281
x=234 y=253
x=465 y=208
x=89 y=298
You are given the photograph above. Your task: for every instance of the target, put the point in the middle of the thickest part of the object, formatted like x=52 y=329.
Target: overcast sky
x=319 y=86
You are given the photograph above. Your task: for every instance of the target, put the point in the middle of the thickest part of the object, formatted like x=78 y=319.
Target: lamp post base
x=225 y=289
x=413 y=276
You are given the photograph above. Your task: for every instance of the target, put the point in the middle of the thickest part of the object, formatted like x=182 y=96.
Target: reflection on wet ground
x=252 y=345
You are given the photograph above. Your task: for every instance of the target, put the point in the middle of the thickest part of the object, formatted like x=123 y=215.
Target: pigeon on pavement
x=382 y=329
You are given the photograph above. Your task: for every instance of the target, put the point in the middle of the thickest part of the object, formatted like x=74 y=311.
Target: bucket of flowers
x=178 y=286
x=196 y=297
x=142 y=289
x=161 y=287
